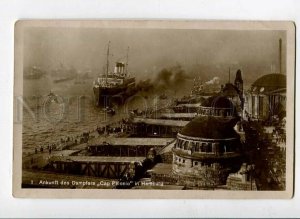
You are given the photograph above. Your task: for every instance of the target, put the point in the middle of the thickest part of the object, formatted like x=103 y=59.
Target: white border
x=145 y=194
x=10 y=11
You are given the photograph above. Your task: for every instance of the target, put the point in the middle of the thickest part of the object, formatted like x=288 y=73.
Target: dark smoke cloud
x=145 y=85
x=171 y=78
x=167 y=79
x=201 y=52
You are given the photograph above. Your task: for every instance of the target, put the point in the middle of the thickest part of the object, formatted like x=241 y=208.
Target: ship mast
x=107 y=61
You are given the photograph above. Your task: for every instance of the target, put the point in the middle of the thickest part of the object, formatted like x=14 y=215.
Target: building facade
x=266 y=98
x=206 y=151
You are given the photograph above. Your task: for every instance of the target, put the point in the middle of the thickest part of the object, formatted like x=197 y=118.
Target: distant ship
x=34 y=73
x=113 y=86
x=62 y=74
x=83 y=78
x=62 y=79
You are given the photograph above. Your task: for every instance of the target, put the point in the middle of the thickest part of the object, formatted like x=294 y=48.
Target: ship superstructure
x=116 y=85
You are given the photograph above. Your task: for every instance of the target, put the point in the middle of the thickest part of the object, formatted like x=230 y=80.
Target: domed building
x=266 y=98
x=206 y=151
x=219 y=106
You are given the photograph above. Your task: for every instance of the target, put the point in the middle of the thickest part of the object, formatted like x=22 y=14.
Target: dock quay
x=126 y=147
x=120 y=151
x=98 y=166
x=148 y=127
x=40 y=160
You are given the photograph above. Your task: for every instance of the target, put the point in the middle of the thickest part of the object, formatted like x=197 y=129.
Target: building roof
x=268 y=83
x=131 y=141
x=188 y=105
x=178 y=115
x=205 y=156
x=217 y=101
x=209 y=127
x=162 y=122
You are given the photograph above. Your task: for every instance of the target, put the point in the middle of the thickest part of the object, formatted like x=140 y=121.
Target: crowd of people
x=114 y=128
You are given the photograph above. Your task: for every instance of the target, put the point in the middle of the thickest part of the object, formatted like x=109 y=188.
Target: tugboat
x=113 y=86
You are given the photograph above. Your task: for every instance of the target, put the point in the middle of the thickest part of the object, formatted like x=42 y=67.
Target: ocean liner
x=113 y=86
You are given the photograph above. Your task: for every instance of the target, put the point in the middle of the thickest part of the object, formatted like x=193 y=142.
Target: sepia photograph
x=193 y=109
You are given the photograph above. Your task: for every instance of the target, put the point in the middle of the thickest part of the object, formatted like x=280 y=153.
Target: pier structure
x=147 y=127
x=98 y=166
x=127 y=147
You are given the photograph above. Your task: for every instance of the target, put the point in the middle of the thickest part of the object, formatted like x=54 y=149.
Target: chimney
x=280 y=56
x=229 y=74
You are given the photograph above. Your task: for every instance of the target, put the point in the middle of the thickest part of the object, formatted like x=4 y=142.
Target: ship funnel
x=119 y=68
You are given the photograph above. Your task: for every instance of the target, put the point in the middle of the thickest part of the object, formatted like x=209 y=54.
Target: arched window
x=222 y=113
x=177 y=144
x=186 y=145
x=181 y=144
x=209 y=147
x=202 y=147
x=194 y=145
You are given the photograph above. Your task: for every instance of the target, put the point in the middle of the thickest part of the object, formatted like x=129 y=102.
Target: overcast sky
x=205 y=52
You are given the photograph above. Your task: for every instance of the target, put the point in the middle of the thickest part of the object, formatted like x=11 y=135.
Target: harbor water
x=47 y=120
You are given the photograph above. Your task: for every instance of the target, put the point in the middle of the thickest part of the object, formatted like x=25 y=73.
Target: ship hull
x=107 y=96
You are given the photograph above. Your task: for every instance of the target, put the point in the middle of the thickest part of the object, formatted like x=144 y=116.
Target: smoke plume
x=214 y=81
x=168 y=78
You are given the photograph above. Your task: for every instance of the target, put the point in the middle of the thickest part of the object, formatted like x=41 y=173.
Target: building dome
x=207 y=149
x=217 y=102
x=209 y=127
x=268 y=83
